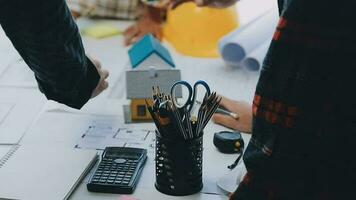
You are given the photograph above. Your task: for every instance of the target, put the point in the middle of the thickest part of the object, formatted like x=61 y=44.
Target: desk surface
x=231 y=82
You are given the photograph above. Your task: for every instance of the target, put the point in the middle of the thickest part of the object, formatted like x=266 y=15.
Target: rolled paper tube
x=254 y=61
x=235 y=46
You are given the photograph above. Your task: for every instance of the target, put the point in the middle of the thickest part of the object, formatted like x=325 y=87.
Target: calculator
x=118 y=171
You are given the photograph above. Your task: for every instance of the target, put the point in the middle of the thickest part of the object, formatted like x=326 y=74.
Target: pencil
x=225 y=112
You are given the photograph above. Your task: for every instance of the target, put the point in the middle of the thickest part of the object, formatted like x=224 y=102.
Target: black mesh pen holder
x=179 y=165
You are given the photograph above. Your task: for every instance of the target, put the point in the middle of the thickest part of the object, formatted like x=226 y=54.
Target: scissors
x=192 y=94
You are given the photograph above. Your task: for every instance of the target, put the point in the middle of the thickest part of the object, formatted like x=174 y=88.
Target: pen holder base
x=179 y=166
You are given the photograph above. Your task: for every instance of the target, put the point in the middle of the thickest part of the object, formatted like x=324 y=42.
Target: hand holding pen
x=244 y=110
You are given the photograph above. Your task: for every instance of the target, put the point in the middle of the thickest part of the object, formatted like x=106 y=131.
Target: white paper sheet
x=4 y=149
x=232 y=179
x=7 y=55
x=99 y=135
x=7 y=51
x=235 y=46
x=5 y=109
x=43 y=172
x=18 y=74
x=18 y=109
x=68 y=128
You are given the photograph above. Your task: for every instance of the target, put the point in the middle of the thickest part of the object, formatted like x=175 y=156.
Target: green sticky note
x=101 y=31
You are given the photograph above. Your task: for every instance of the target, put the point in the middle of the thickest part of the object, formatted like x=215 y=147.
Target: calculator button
x=120 y=160
x=125 y=182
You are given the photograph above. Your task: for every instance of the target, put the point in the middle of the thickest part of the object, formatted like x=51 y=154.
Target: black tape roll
x=228 y=141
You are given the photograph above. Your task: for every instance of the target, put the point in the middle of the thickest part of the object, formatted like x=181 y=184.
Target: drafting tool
x=228 y=141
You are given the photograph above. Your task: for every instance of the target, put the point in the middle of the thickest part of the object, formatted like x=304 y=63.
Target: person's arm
x=210 y=3
x=47 y=38
x=149 y=22
x=243 y=110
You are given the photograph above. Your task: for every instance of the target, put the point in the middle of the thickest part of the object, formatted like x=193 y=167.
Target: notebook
x=43 y=171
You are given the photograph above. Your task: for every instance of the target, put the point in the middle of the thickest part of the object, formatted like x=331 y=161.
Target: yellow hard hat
x=195 y=31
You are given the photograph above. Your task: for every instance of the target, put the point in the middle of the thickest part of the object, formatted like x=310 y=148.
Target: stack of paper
x=18 y=110
x=43 y=171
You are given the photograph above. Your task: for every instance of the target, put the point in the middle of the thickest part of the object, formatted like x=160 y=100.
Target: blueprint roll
x=254 y=61
x=235 y=46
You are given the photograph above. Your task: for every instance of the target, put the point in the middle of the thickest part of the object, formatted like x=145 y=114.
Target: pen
x=225 y=112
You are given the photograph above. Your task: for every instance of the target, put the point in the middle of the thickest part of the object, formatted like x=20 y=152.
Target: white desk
x=233 y=83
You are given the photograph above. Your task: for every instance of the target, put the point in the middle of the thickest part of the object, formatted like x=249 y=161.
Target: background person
x=149 y=18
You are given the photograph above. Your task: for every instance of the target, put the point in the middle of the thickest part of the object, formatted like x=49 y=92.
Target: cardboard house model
x=151 y=65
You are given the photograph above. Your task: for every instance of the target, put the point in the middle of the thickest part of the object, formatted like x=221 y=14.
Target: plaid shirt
x=120 y=9
x=46 y=36
x=304 y=127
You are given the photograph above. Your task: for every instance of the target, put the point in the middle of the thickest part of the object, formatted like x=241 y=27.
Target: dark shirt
x=46 y=36
x=304 y=123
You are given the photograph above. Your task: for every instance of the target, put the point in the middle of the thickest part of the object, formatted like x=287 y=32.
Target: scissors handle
x=195 y=91
x=190 y=93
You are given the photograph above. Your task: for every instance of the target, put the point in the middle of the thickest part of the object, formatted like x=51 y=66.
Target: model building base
x=127 y=116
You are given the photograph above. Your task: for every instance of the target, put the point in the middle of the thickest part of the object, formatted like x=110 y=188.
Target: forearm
x=154 y=13
x=47 y=38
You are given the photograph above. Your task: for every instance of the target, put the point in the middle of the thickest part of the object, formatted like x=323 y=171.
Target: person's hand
x=243 y=109
x=75 y=14
x=142 y=27
x=102 y=84
x=210 y=3
x=148 y=23
x=176 y=3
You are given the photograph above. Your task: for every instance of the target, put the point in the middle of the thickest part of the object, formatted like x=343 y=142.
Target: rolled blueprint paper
x=236 y=45
x=254 y=61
